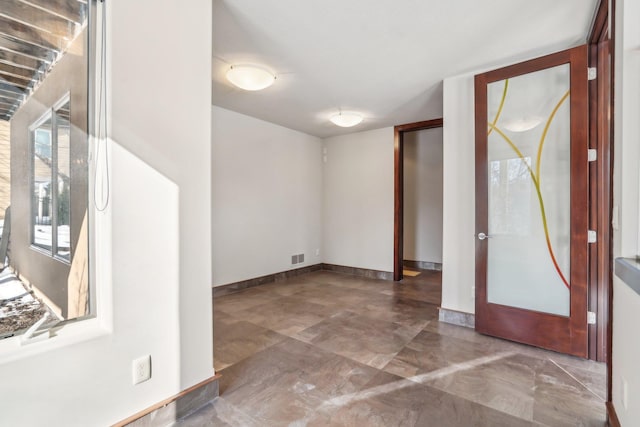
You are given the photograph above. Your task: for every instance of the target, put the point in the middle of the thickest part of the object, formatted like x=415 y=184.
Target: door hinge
x=592 y=73
x=592 y=237
x=592 y=154
x=591 y=318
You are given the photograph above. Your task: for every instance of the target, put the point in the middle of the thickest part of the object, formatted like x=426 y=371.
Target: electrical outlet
x=625 y=393
x=318 y=252
x=141 y=369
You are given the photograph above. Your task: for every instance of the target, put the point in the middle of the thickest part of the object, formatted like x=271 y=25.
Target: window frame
x=98 y=324
x=49 y=114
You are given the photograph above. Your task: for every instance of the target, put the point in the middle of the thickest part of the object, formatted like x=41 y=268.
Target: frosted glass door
x=529 y=191
x=532 y=202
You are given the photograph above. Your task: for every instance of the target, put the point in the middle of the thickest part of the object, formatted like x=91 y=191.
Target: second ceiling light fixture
x=254 y=78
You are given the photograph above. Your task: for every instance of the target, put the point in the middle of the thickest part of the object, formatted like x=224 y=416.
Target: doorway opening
x=413 y=217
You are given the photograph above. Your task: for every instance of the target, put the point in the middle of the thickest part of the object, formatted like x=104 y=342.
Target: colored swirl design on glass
x=535 y=175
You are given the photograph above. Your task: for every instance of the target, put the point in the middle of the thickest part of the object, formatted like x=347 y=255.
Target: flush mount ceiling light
x=345 y=119
x=250 y=77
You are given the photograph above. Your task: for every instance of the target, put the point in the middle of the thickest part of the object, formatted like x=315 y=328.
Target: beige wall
x=43 y=271
x=273 y=209
x=358 y=200
x=423 y=195
x=458 y=202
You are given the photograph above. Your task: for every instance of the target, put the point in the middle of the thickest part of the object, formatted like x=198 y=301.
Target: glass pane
x=42 y=203
x=49 y=163
x=529 y=191
x=63 y=249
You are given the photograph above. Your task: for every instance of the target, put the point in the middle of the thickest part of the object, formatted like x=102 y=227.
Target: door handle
x=482 y=236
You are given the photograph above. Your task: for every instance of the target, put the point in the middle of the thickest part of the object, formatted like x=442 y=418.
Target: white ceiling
x=384 y=58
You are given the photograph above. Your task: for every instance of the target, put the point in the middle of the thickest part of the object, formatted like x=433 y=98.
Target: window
x=51 y=178
x=46 y=119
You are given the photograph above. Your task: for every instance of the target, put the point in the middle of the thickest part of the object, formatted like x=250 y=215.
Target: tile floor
x=328 y=349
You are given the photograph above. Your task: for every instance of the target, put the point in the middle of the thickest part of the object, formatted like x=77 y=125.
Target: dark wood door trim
x=601 y=102
x=600 y=23
x=398 y=187
x=564 y=334
x=600 y=259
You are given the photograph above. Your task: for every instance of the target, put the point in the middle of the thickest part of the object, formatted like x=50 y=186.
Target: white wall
x=458 y=203
x=155 y=281
x=358 y=200
x=163 y=116
x=626 y=303
x=626 y=353
x=267 y=204
x=423 y=195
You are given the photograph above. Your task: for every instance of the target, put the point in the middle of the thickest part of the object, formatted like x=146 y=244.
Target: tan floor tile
x=235 y=340
x=367 y=352
x=287 y=315
x=373 y=342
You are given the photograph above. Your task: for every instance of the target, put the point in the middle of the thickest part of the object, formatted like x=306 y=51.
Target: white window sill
x=12 y=349
x=628 y=270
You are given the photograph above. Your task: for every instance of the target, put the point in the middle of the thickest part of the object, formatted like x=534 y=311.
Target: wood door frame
x=601 y=192
x=501 y=320
x=398 y=188
x=601 y=258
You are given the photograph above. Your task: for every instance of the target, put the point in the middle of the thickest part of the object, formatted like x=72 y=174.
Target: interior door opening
x=418 y=212
x=422 y=181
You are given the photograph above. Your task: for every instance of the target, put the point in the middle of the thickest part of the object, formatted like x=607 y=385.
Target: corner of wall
x=458 y=246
